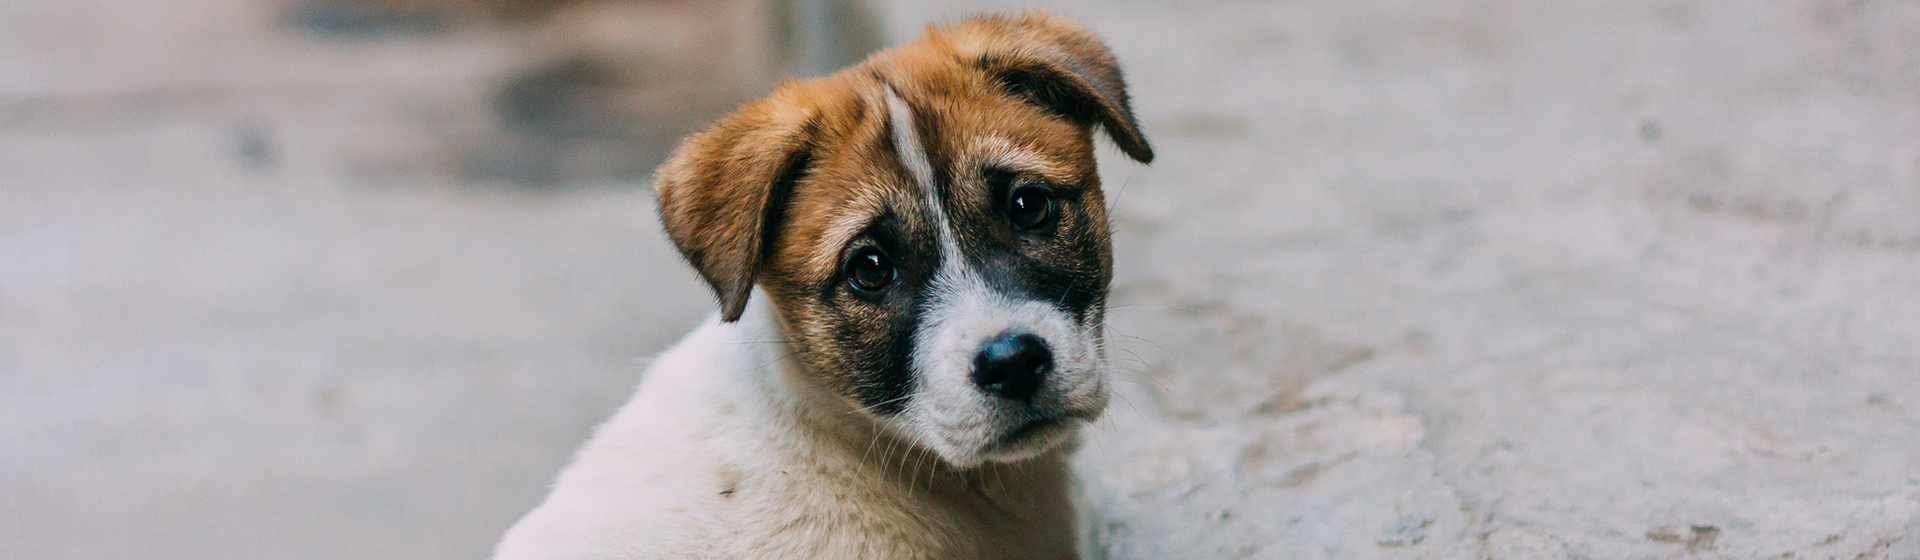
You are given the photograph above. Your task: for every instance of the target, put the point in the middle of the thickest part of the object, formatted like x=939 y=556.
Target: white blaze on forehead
x=913 y=156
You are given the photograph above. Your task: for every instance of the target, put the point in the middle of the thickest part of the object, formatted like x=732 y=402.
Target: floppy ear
x=723 y=191
x=1059 y=65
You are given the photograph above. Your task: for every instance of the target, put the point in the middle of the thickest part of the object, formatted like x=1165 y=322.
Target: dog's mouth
x=1033 y=436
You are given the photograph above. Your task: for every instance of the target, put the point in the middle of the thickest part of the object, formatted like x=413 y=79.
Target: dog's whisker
x=1000 y=475
x=777 y=359
x=886 y=456
x=1100 y=442
x=930 y=472
x=1152 y=371
x=915 y=482
x=1124 y=399
x=932 y=461
x=1132 y=363
x=935 y=468
x=1142 y=378
x=1115 y=203
x=1142 y=340
x=870 y=443
x=1144 y=373
x=880 y=404
x=1143 y=384
x=1132 y=356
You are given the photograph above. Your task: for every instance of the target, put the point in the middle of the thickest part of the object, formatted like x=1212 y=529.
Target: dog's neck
x=804 y=397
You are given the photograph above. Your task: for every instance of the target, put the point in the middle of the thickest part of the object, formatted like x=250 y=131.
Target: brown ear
x=1058 y=65
x=722 y=193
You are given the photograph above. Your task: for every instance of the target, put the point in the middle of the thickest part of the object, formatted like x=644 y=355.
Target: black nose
x=1012 y=365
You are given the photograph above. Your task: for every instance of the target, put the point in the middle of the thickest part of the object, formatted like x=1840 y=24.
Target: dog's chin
x=1031 y=439
x=1014 y=443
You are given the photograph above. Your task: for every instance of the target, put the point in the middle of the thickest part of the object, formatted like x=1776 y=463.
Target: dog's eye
x=868 y=270
x=1031 y=207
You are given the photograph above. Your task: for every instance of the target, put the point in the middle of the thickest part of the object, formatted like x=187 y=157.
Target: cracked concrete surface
x=1490 y=279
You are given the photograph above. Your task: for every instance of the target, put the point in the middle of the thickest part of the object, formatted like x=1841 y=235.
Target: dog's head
x=930 y=228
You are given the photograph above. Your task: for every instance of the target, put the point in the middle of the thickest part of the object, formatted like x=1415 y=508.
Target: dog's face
x=930 y=227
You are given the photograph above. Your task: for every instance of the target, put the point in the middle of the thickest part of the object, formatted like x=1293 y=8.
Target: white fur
x=906 y=142
x=731 y=449
x=947 y=412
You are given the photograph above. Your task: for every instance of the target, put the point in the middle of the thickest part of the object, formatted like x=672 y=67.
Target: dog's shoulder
x=648 y=483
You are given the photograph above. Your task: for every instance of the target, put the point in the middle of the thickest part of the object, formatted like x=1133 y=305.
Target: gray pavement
x=1411 y=279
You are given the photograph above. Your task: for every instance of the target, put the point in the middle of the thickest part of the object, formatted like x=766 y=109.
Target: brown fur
x=779 y=192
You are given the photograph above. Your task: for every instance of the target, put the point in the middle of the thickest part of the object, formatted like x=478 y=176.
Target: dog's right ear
x=1059 y=65
x=723 y=192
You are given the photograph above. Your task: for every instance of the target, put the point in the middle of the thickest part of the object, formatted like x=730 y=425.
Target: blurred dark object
x=253 y=144
x=619 y=82
x=626 y=79
x=829 y=34
x=374 y=17
x=613 y=84
x=557 y=100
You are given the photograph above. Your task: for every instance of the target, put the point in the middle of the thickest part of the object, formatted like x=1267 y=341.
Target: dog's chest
x=855 y=512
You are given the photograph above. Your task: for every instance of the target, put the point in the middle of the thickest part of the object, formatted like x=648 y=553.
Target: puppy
x=930 y=243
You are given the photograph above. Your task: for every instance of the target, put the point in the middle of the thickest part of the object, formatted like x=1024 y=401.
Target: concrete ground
x=1411 y=279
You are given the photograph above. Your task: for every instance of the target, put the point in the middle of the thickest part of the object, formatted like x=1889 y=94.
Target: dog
x=930 y=246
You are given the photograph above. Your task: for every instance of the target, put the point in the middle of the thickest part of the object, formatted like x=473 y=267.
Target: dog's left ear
x=723 y=191
x=1058 y=65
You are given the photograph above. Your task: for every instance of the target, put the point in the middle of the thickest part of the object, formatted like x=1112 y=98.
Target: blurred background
x=1410 y=279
